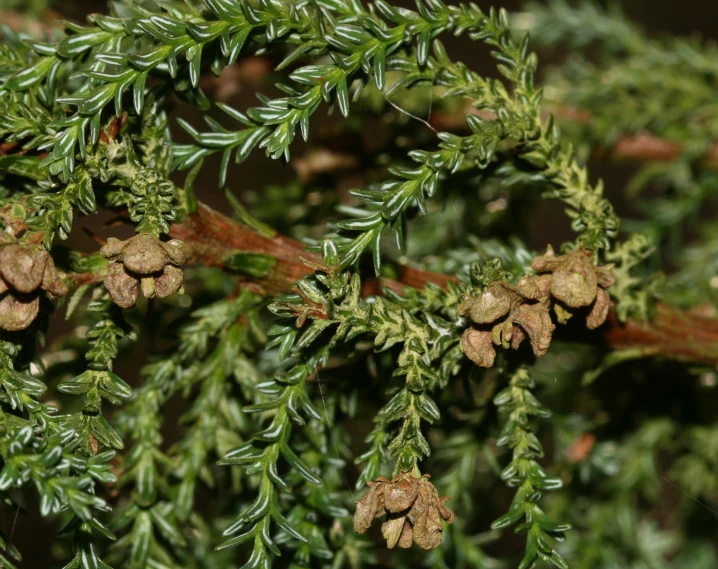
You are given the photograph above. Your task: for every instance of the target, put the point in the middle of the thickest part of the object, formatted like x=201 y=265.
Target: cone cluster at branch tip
x=504 y=314
x=412 y=507
x=25 y=271
x=145 y=262
x=576 y=282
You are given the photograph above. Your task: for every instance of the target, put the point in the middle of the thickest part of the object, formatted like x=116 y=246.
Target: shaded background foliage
x=663 y=396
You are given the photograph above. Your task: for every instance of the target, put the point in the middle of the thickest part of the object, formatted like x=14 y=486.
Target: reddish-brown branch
x=672 y=334
x=211 y=237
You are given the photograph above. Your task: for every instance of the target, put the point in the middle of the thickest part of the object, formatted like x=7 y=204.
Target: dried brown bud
x=145 y=262
x=413 y=508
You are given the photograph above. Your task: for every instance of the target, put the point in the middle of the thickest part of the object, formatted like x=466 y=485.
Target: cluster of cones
x=412 y=507
x=26 y=270
x=142 y=262
x=505 y=314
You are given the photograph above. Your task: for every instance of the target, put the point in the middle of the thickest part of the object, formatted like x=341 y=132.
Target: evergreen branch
x=422 y=344
x=517 y=117
x=665 y=86
x=581 y=25
x=261 y=455
x=48 y=452
x=215 y=420
x=98 y=382
x=181 y=31
x=520 y=407
x=154 y=518
x=361 y=43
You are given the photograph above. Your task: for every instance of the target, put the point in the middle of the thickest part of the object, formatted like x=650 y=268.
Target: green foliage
x=525 y=474
x=264 y=367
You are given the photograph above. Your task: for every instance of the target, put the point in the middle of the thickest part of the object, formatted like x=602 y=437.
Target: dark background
x=657 y=17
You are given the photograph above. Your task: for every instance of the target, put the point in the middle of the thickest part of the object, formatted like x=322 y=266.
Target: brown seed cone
x=489 y=306
x=599 y=311
x=145 y=262
x=122 y=287
x=169 y=282
x=17 y=311
x=23 y=267
x=53 y=281
x=144 y=254
x=478 y=347
x=413 y=508
x=536 y=322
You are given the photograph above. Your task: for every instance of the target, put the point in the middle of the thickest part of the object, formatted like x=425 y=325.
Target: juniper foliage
x=383 y=349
